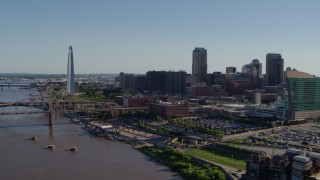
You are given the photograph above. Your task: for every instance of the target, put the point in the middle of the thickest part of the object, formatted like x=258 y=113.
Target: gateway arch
x=70 y=73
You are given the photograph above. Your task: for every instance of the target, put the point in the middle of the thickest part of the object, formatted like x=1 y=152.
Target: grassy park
x=222 y=156
x=183 y=164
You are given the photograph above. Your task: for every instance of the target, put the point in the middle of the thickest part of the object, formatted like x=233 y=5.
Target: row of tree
x=184 y=164
x=192 y=124
x=91 y=91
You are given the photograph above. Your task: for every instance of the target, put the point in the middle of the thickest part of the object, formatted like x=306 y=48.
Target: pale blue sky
x=110 y=36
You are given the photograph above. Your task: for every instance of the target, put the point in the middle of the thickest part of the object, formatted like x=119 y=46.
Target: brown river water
x=96 y=158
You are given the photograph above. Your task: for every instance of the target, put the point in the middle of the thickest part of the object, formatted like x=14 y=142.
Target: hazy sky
x=110 y=36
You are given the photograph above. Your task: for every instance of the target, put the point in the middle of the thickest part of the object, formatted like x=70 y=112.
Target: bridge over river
x=51 y=107
x=18 y=82
x=50 y=102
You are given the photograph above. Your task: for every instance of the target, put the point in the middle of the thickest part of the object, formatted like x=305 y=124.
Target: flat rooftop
x=298 y=74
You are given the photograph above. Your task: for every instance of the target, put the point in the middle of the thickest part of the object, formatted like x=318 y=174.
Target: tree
x=111 y=93
x=159 y=118
x=59 y=88
x=218 y=134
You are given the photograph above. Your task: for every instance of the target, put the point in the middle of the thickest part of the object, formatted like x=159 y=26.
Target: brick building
x=169 y=110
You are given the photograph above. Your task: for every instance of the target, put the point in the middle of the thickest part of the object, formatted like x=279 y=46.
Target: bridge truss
x=17 y=82
x=51 y=102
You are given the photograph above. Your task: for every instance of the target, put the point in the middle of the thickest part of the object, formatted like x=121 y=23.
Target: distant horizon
x=76 y=74
x=12 y=73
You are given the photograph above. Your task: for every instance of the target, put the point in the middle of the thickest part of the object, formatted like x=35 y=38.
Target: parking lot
x=303 y=134
x=188 y=126
x=230 y=126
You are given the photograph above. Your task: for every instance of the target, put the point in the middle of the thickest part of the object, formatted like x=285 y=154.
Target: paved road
x=268 y=150
x=244 y=135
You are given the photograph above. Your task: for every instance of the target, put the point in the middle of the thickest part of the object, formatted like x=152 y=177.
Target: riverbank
x=142 y=140
x=183 y=164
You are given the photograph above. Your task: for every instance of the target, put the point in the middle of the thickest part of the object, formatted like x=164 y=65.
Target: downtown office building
x=302 y=96
x=274 y=69
x=199 y=64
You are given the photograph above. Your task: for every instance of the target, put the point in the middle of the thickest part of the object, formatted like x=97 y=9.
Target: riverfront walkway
x=134 y=134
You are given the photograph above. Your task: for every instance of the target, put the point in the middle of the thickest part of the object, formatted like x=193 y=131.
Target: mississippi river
x=96 y=158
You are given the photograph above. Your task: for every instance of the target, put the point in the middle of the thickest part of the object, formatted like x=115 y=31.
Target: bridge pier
x=51 y=118
x=51 y=132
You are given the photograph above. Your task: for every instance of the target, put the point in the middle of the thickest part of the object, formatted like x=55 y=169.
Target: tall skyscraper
x=254 y=71
x=70 y=73
x=274 y=69
x=199 y=63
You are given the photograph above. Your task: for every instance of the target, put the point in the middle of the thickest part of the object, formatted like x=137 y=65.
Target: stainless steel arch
x=70 y=72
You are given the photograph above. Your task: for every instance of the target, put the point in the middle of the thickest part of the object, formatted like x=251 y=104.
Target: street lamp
x=213 y=154
x=232 y=159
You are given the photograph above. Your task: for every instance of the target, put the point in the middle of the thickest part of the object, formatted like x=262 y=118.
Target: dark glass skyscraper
x=70 y=73
x=199 y=63
x=274 y=69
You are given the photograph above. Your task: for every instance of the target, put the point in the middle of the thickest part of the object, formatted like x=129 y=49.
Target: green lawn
x=222 y=156
x=317 y=125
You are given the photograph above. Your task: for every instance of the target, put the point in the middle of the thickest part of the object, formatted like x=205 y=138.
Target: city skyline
x=156 y=36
